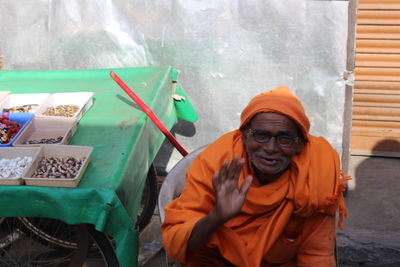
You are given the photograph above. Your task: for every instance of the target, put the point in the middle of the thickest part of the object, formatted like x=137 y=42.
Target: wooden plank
x=378 y=46
x=375 y=117
x=379 y=4
x=378 y=104
x=376 y=124
x=378 y=17
x=372 y=99
x=378 y=60
x=378 y=32
x=378 y=85
x=387 y=112
x=373 y=131
x=376 y=92
x=377 y=74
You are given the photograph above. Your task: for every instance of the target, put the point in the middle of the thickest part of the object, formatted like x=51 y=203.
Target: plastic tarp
x=227 y=51
x=125 y=143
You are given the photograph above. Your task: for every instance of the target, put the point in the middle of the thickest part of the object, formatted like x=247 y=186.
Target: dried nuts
x=14 y=167
x=56 y=167
x=45 y=141
x=21 y=109
x=62 y=110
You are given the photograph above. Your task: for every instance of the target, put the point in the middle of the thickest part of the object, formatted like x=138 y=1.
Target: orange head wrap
x=280 y=100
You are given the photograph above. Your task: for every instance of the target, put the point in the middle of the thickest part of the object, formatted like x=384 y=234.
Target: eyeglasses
x=263 y=137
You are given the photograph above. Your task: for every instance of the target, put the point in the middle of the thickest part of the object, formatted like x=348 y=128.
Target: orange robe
x=289 y=222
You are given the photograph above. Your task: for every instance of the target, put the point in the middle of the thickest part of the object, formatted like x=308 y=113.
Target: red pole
x=149 y=113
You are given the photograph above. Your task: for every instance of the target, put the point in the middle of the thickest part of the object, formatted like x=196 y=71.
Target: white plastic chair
x=175 y=181
x=172 y=187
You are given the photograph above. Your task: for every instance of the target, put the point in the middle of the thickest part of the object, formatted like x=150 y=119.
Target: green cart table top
x=124 y=142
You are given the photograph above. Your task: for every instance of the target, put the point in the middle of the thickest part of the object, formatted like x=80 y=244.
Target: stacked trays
x=36 y=130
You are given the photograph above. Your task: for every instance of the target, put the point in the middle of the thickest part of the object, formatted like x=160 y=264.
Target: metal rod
x=149 y=113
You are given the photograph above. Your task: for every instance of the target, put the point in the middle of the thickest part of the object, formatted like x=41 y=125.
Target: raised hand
x=229 y=198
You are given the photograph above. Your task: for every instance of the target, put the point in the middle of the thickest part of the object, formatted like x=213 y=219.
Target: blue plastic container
x=22 y=118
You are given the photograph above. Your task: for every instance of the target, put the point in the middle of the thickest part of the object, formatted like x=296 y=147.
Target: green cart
x=102 y=211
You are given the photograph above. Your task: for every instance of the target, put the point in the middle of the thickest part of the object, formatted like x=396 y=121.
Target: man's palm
x=229 y=198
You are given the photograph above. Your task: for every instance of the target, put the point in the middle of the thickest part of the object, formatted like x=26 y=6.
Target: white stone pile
x=14 y=167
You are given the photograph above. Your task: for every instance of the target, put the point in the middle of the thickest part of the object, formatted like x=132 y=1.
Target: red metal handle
x=149 y=113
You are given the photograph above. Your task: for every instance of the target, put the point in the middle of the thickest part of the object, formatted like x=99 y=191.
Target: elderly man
x=263 y=195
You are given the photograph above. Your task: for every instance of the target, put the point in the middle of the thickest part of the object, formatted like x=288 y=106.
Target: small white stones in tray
x=13 y=167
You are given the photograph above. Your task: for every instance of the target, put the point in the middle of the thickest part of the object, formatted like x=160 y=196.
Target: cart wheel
x=59 y=235
x=49 y=232
x=20 y=248
x=106 y=250
x=149 y=199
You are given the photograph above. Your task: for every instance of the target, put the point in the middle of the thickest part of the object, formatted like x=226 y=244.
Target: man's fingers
x=234 y=167
x=215 y=181
x=238 y=167
x=246 y=185
x=223 y=172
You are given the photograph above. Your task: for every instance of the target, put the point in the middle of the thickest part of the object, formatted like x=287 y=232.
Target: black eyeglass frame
x=295 y=140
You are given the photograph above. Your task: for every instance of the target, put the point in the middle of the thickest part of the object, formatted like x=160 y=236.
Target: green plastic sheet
x=125 y=142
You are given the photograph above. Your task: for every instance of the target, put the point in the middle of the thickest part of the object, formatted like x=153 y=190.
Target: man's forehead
x=265 y=119
x=270 y=116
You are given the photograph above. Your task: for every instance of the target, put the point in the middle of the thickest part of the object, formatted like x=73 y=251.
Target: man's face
x=271 y=140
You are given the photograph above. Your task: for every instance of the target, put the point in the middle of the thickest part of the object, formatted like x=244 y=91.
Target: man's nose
x=271 y=146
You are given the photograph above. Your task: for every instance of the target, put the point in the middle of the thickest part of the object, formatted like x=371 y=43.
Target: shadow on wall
x=386 y=146
x=183 y=128
x=378 y=178
x=374 y=166
x=369 y=173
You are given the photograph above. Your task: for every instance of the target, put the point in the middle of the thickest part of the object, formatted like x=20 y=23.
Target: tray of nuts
x=47 y=130
x=67 y=105
x=22 y=103
x=14 y=162
x=58 y=166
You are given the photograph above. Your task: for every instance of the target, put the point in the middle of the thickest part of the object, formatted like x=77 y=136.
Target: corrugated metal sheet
x=377 y=17
x=376 y=102
x=377 y=74
x=378 y=32
x=378 y=4
x=378 y=60
x=378 y=46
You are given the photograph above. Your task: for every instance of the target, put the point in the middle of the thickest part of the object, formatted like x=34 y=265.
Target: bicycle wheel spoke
x=34 y=242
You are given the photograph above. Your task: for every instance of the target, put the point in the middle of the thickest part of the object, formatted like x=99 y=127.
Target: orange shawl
x=312 y=185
